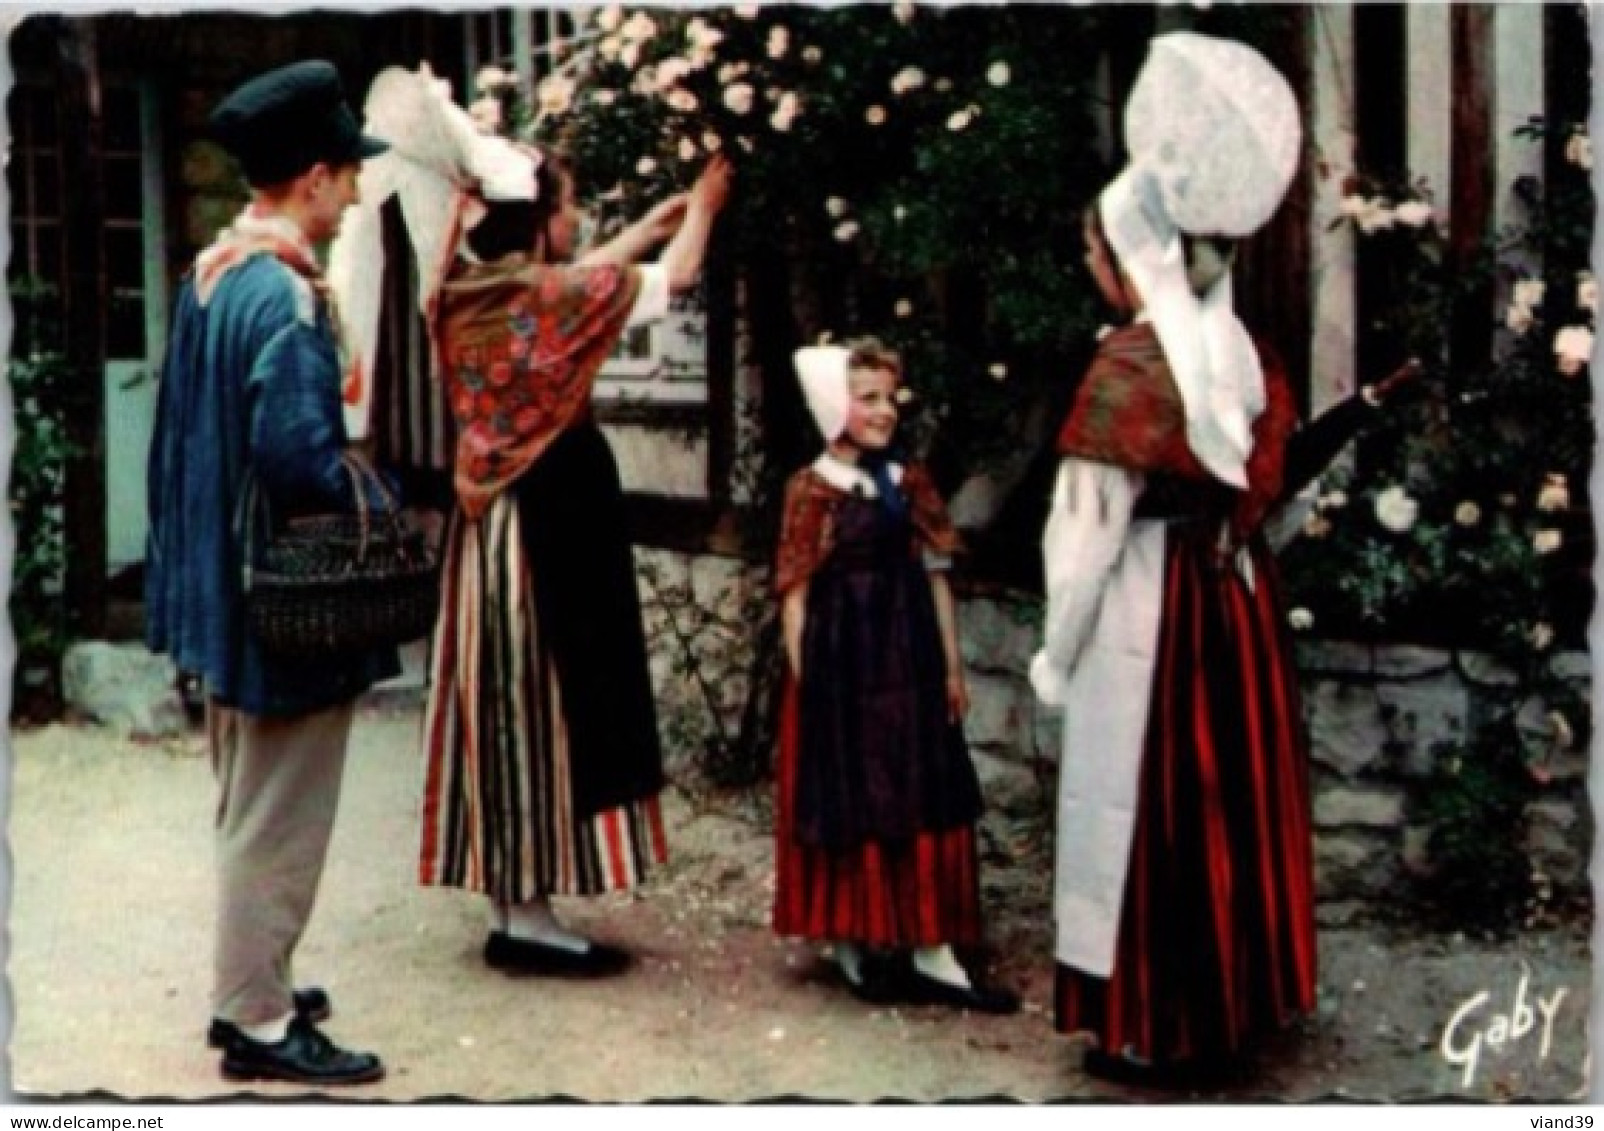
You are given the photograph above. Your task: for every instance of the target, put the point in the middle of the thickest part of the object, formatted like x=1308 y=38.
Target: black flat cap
x=282 y=123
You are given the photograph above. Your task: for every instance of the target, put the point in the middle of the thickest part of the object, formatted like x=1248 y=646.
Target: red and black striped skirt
x=923 y=892
x=1216 y=936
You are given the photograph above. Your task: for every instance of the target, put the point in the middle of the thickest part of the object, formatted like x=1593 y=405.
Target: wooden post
x=84 y=310
x=1472 y=164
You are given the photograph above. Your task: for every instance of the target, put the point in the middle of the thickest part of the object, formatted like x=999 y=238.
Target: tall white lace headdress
x=441 y=168
x=1214 y=140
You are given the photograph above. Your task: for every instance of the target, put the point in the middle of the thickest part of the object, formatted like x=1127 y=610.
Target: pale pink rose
x=904 y=308
x=1547 y=541
x=738 y=98
x=1587 y=292
x=556 y=94
x=779 y=41
x=909 y=78
x=1573 y=347
x=712 y=142
x=875 y=115
x=687 y=149
x=610 y=17
x=1413 y=213
x=1554 y=495
x=683 y=101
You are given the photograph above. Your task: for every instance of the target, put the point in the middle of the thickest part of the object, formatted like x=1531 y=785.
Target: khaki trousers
x=278 y=788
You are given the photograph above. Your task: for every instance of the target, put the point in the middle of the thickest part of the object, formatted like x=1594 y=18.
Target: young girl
x=877 y=796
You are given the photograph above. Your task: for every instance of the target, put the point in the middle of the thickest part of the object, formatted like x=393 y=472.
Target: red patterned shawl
x=1129 y=412
x=521 y=343
x=807 y=528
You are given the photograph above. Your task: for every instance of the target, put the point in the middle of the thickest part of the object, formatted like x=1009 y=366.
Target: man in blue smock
x=252 y=384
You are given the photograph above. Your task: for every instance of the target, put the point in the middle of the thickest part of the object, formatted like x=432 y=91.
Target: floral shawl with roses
x=520 y=345
x=1128 y=412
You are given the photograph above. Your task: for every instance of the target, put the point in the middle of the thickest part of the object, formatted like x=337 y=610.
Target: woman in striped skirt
x=543 y=764
x=875 y=847
x=1183 y=894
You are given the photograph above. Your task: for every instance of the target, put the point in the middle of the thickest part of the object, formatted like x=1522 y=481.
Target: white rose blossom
x=909 y=78
x=1541 y=636
x=646 y=166
x=875 y=115
x=1554 y=495
x=904 y=308
x=785 y=113
x=1396 y=510
x=703 y=35
x=1573 y=349
x=812 y=54
x=712 y=142
x=998 y=371
x=1518 y=318
x=639 y=29
x=779 y=41
x=556 y=94
x=1579 y=150
x=683 y=101
x=999 y=73
x=1528 y=292
x=1587 y=292
x=847 y=230
x=903 y=11
x=1301 y=619
x=1547 y=541
x=836 y=207
x=960 y=120
x=604 y=97
x=629 y=55
x=1334 y=500
x=673 y=69
x=687 y=149
x=1467 y=513
x=1413 y=213
x=491 y=79
x=610 y=17
x=738 y=98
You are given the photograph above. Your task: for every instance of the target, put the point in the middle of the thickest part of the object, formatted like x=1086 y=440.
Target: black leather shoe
x=924 y=990
x=311 y=1004
x=1204 y=1074
x=304 y=1056
x=525 y=956
x=880 y=978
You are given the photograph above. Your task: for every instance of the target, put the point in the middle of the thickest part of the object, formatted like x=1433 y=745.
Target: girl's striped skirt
x=498 y=806
x=1217 y=934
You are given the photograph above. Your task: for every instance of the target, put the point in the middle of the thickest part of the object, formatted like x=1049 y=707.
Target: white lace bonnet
x=822 y=371
x=1214 y=140
x=441 y=168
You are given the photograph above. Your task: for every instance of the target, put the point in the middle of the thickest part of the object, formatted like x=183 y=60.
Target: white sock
x=536 y=922
x=850 y=958
x=268 y=1032
x=940 y=963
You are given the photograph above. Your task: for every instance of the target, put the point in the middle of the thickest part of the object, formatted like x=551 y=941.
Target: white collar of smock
x=844 y=476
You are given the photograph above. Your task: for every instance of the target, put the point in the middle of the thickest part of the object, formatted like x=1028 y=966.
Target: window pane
x=17 y=185
x=120 y=127
x=47 y=263
x=41 y=115
x=125 y=326
x=124 y=189
x=47 y=193
x=125 y=257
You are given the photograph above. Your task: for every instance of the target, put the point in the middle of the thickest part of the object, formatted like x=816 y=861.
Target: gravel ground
x=110 y=958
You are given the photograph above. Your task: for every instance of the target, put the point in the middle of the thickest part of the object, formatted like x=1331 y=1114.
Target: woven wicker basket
x=339 y=583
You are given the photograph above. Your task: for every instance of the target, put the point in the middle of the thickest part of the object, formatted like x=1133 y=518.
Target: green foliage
x=42 y=399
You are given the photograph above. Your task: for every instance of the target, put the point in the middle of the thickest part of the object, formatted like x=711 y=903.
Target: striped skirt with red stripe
x=1217 y=935
x=498 y=809
x=924 y=892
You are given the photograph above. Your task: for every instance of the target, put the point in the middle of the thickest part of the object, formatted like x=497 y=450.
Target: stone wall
x=1375 y=714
